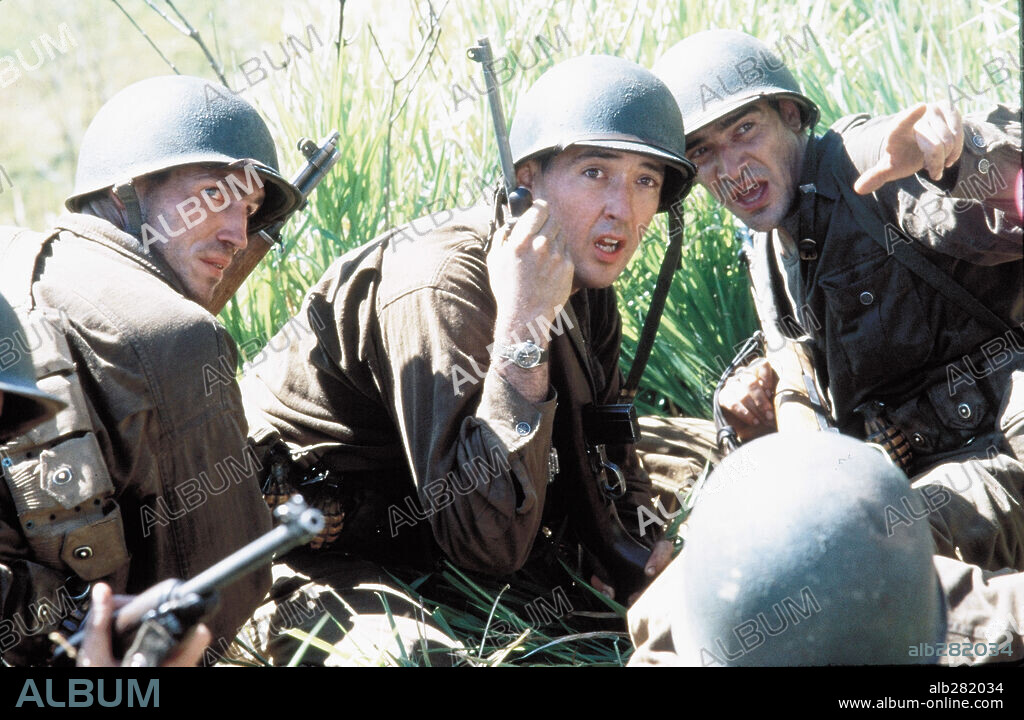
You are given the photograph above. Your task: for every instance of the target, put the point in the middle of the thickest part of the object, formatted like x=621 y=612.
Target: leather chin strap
x=126 y=194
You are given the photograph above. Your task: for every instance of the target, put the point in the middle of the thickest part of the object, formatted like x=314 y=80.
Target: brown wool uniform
x=389 y=387
x=881 y=333
x=172 y=438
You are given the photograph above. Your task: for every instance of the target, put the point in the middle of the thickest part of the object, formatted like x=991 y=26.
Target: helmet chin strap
x=125 y=192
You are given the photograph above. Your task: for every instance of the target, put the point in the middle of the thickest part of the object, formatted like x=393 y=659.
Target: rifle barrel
x=482 y=54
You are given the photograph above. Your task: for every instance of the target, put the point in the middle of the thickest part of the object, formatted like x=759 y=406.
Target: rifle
x=594 y=515
x=798 y=402
x=153 y=623
x=519 y=198
x=319 y=160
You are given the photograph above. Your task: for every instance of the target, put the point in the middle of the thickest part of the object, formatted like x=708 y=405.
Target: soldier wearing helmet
x=23 y=405
x=908 y=281
x=444 y=387
x=143 y=471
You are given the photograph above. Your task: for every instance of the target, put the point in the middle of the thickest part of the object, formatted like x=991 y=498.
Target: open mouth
x=752 y=196
x=608 y=245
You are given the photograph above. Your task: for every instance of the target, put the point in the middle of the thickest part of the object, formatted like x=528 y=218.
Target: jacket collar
x=102 y=232
x=812 y=182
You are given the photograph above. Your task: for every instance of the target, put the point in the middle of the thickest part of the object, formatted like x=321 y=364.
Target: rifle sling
x=873 y=224
x=673 y=257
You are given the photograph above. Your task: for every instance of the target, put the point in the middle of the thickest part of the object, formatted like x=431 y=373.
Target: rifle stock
x=319 y=160
x=798 y=402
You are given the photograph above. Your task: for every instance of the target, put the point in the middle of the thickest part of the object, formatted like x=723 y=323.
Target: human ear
x=789 y=111
x=527 y=173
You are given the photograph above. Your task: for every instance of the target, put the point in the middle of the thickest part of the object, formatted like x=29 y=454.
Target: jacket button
x=866 y=298
x=964 y=410
x=984 y=165
x=917 y=438
x=523 y=428
x=82 y=553
x=62 y=475
x=978 y=141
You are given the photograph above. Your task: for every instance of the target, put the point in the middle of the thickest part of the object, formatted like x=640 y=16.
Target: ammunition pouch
x=966 y=400
x=56 y=473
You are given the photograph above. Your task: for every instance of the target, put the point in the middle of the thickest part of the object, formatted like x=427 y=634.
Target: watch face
x=527 y=355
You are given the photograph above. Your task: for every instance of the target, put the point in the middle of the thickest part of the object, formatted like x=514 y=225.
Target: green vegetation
x=416 y=138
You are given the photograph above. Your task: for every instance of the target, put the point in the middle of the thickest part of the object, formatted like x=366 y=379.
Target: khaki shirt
x=174 y=440
x=383 y=376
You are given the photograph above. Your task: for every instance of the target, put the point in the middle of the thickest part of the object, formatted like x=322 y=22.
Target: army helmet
x=174 y=120
x=715 y=72
x=803 y=549
x=24 y=404
x=608 y=102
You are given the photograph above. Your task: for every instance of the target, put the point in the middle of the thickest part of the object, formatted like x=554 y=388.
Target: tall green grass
x=419 y=144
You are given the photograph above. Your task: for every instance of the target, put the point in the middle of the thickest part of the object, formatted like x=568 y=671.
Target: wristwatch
x=526 y=355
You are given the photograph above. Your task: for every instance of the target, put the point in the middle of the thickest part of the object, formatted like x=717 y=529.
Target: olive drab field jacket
x=383 y=378
x=147 y=475
x=880 y=332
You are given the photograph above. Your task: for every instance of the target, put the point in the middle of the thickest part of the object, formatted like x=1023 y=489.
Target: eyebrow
x=612 y=155
x=215 y=176
x=730 y=119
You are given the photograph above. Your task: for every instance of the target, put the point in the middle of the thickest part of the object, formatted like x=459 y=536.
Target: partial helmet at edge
x=24 y=404
x=807 y=549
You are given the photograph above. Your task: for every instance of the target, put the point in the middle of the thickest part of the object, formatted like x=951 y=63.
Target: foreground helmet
x=604 y=101
x=800 y=551
x=165 y=122
x=24 y=404
x=714 y=72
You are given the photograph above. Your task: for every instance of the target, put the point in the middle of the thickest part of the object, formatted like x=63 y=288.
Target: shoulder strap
x=671 y=263
x=872 y=223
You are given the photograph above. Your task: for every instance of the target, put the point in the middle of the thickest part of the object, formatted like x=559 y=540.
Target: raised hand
x=926 y=137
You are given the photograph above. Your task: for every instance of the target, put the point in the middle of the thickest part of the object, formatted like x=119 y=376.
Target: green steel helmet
x=174 y=120
x=803 y=549
x=608 y=102
x=714 y=72
x=24 y=404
